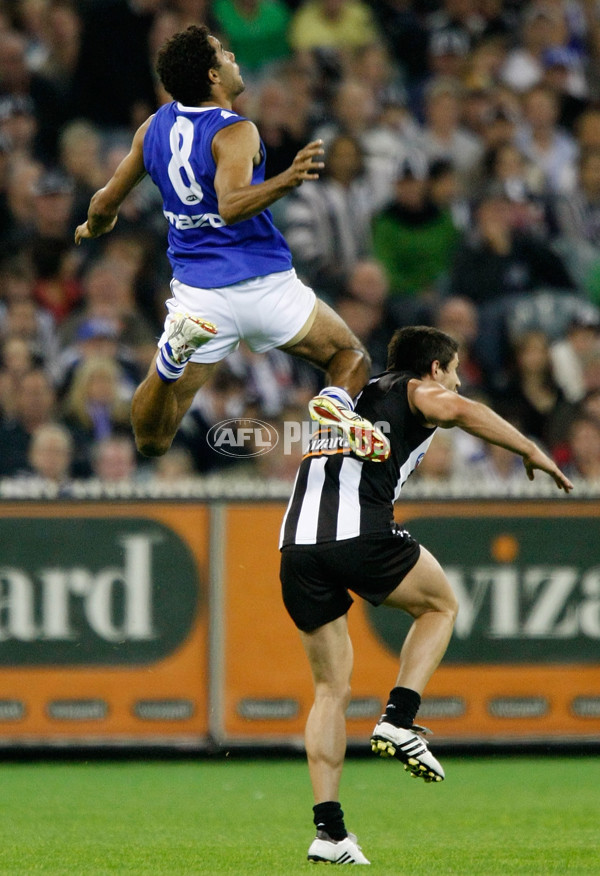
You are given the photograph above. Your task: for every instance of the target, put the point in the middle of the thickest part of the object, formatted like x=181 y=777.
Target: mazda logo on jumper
x=242 y=437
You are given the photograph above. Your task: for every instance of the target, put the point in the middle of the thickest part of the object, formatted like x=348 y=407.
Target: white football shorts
x=265 y=312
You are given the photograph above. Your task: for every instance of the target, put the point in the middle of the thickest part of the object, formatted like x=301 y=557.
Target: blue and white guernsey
x=203 y=251
x=337 y=495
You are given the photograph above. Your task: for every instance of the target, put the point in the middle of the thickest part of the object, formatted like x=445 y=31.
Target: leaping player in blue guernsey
x=233 y=277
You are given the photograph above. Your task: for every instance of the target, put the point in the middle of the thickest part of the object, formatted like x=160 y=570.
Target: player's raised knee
x=152 y=445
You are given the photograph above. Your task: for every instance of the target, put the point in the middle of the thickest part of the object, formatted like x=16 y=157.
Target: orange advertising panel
x=524 y=661
x=103 y=623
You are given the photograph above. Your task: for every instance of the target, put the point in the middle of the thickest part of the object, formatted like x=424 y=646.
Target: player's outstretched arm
x=104 y=206
x=440 y=407
x=234 y=150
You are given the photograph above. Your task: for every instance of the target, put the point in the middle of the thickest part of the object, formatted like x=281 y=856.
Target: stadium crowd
x=461 y=189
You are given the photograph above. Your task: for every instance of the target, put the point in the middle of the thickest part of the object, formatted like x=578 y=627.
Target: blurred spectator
x=51 y=453
x=494 y=260
x=571 y=353
x=540 y=139
x=499 y=125
x=584 y=449
x=341 y=25
x=114 y=459
x=447 y=53
x=589 y=405
x=364 y=307
x=18 y=82
x=175 y=465
x=457 y=16
x=563 y=75
x=18 y=124
x=353 y=112
x=283 y=124
x=498 y=23
x=495 y=267
x=97 y=339
x=109 y=294
x=21 y=177
x=80 y=146
x=406 y=36
x=439 y=464
x=458 y=317
x=414 y=239
x=22 y=318
x=447 y=193
x=254 y=30
x=587 y=129
x=5 y=163
x=16 y=360
x=61 y=37
x=35 y=406
x=223 y=397
x=443 y=135
x=328 y=222
x=533 y=394
x=578 y=215
x=113 y=83
x=49 y=245
x=272 y=380
x=506 y=172
x=282 y=461
x=95 y=404
x=497 y=467
x=371 y=64
x=544 y=27
x=579 y=211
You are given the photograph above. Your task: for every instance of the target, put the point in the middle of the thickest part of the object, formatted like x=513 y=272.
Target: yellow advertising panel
x=524 y=662
x=103 y=622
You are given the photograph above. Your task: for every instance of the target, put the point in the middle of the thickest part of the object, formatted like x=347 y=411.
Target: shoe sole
x=326 y=414
x=384 y=748
x=206 y=326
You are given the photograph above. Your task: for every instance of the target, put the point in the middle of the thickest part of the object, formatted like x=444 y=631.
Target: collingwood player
x=232 y=270
x=339 y=534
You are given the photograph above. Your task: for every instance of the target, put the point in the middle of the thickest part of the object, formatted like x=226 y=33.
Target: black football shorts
x=316 y=578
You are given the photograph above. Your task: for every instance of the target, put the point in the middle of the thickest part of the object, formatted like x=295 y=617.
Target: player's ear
x=435 y=369
x=213 y=75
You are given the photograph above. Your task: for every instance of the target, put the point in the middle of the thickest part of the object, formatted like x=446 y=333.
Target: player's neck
x=219 y=98
x=224 y=104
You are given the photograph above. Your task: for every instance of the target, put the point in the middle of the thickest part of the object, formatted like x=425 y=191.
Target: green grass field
x=493 y=816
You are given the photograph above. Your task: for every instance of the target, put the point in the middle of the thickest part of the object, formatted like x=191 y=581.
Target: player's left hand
x=538 y=460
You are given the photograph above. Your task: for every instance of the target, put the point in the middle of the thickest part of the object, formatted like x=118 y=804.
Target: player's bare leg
x=329 y=652
x=158 y=407
x=426 y=595
x=329 y=344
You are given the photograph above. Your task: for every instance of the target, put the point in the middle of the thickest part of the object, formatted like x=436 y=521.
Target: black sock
x=330 y=818
x=402 y=707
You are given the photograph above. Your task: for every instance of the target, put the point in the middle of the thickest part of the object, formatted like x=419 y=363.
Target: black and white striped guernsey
x=337 y=495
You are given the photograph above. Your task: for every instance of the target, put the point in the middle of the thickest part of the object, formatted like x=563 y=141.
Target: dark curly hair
x=415 y=347
x=183 y=64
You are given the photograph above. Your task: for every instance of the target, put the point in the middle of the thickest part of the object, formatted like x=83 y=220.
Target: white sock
x=340 y=395
x=166 y=369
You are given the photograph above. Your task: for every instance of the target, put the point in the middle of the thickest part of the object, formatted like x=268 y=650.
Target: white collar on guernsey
x=197 y=109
